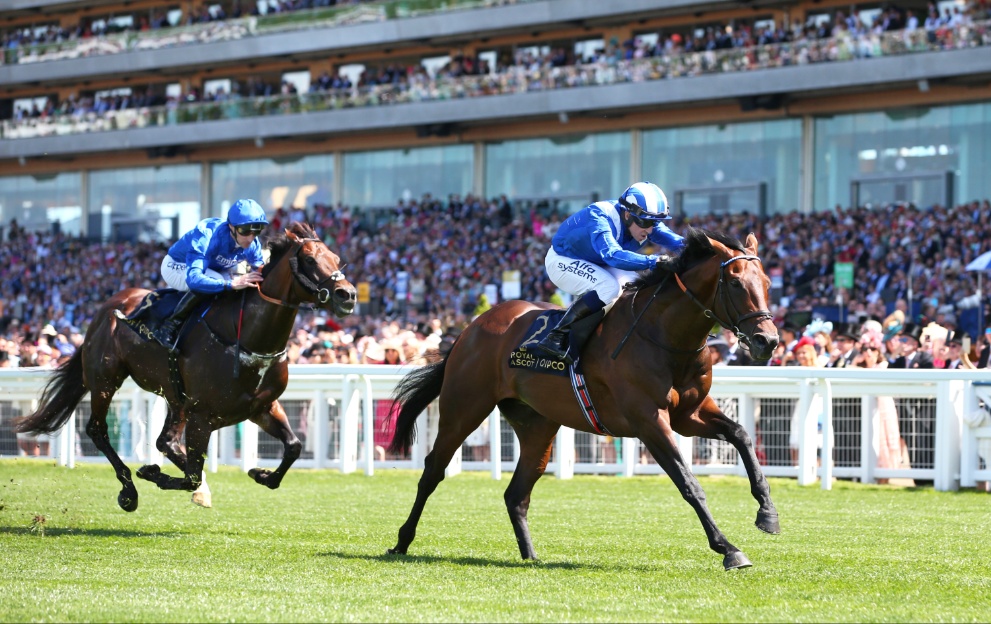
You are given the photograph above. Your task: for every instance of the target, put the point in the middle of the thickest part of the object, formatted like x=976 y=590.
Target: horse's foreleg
x=97 y=430
x=718 y=426
x=275 y=423
x=536 y=435
x=661 y=443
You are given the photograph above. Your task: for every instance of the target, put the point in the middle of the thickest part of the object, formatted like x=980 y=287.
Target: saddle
x=522 y=357
x=151 y=312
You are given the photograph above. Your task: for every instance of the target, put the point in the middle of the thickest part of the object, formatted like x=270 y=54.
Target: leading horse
x=230 y=365
x=652 y=387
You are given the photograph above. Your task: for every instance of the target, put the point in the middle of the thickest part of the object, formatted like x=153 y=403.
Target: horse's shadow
x=73 y=532
x=471 y=561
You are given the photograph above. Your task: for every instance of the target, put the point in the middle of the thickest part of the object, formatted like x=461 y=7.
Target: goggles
x=250 y=228
x=639 y=216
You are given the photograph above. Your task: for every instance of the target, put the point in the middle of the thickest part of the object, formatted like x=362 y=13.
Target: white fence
x=342 y=413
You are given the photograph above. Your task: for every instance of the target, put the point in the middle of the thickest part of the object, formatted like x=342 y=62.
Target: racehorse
x=230 y=364
x=650 y=388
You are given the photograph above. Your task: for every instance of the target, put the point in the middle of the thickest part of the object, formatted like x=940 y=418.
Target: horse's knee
x=294 y=448
x=96 y=430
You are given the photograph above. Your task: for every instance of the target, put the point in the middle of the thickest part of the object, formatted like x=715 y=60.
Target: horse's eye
x=310 y=260
x=735 y=283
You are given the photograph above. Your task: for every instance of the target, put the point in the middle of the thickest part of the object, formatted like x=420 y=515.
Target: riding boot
x=555 y=344
x=166 y=334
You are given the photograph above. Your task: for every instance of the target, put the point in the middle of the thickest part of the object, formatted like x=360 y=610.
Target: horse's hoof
x=128 y=502
x=736 y=560
x=396 y=551
x=149 y=473
x=203 y=499
x=768 y=522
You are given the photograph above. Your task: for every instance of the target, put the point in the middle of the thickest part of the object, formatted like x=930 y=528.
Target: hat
x=49 y=330
x=956 y=337
x=790 y=327
x=912 y=331
x=848 y=330
x=892 y=324
x=721 y=345
x=805 y=340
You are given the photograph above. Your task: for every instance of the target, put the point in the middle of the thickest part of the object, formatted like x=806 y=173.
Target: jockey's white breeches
x=174 y=273
x=580 y=276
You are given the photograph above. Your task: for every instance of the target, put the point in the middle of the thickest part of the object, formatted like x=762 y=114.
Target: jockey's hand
x=248 y=280
x=663 y=258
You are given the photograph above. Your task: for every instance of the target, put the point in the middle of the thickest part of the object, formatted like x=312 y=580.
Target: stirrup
x=559 y=352
x=166 y=334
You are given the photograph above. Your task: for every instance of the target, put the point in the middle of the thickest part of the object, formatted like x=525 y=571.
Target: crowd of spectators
x=428 y=262
x=668 y=54
x=155 y=19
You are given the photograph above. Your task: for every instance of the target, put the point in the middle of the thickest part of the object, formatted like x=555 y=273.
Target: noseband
x=319 y=292
x=727 y=301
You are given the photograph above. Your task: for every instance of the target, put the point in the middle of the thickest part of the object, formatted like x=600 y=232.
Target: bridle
x=727 y=302
x=317 y=290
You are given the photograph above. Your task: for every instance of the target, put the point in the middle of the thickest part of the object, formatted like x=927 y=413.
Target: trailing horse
x=230 y=364
x=644 y=372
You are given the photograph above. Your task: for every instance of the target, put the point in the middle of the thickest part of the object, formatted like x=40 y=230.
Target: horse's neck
x=260 y=326
x=672 y=319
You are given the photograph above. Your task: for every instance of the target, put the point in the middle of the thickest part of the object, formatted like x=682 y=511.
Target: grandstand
x=123 y=116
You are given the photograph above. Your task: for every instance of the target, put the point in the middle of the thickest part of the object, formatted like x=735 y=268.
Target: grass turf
x=612 y=549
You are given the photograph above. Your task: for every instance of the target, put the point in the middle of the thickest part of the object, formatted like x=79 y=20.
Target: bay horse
x=654 y=386
x=230 y=363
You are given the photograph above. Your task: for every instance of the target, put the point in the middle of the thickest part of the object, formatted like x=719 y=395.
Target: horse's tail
x=413 y=394
x=61 y=395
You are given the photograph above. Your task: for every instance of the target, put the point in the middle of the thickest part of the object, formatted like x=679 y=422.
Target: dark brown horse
x=231 y=364
x=656 y=386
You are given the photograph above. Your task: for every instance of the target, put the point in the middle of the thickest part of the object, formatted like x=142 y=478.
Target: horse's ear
x=751 y=244
x=293 y=237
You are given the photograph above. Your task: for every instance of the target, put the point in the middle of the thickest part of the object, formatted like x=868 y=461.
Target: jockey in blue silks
x=596 y=251
x=200 y=263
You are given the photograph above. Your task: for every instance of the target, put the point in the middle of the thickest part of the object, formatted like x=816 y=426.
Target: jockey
x=595 y=252
x=201 y=261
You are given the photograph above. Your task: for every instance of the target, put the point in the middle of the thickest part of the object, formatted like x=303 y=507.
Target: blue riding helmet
x=646 y=202
x=246 y=212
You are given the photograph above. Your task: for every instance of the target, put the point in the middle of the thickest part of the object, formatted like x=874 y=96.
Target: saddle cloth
x=523 y=357
x=153 y=309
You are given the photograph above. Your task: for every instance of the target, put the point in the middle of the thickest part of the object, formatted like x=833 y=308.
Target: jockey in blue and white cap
x=596 y=251
x=201 y=262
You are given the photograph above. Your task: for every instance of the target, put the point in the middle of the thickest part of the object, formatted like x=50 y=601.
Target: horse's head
x=740 y=302
x=727 y=283
x=315 y=270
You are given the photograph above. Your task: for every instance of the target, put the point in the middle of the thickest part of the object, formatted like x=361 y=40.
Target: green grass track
x=612 y=549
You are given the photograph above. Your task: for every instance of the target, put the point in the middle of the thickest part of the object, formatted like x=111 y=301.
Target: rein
x=727 y=302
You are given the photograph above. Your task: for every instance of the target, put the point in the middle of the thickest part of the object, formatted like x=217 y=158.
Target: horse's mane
x=697 y=248
x=279 y=244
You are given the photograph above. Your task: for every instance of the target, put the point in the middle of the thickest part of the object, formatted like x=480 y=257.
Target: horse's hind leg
x=458 y=418
x=712 y=423
x=169 y=442
x=275 y=423
x=536 y=435
x=100 y=396
x=197 y=439
x=660 y=441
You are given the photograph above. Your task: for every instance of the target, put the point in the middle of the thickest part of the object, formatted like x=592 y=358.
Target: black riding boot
x=166 y=334
x=555 y=344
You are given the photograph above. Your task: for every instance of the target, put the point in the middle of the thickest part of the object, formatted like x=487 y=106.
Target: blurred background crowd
x=429 y=266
